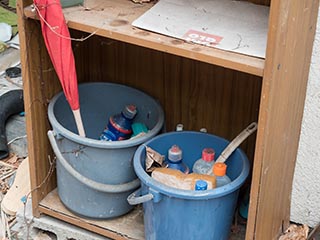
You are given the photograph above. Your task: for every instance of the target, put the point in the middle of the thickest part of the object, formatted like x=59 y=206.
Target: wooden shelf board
x=129 y=226
x=112 y=19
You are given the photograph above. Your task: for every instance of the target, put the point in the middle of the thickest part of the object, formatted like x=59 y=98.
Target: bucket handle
x=134 y=200
x=236 y=142
x=108 y=188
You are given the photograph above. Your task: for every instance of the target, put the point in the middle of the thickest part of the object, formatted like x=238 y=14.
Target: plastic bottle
x=179 y=127
x=138 y=129
x=203 y=130
x=119 y=125
x=174 y=159
x=205 y=163
x=201 y=185
x=219 y=170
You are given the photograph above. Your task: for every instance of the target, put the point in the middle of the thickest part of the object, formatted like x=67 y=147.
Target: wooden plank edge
x=230 y=60
x=82 y=224
x=262 y=122
x=226 y=59
x=256 y=188
x=27 y=101
x=30 y=12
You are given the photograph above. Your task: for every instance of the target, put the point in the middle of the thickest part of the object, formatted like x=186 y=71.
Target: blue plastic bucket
x=171 y=213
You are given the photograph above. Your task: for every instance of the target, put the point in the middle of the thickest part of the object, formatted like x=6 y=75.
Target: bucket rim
x=66 y=133
x=190 y=194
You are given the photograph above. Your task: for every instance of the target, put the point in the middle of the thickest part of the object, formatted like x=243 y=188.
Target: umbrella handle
x=78 y=119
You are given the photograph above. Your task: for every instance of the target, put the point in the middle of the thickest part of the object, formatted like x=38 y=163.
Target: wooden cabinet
x=196 y=85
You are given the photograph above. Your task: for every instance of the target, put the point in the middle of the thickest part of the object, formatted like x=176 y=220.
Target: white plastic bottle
x=203 y=130
x=179 y=127
x=205 y=163
x=220 y=170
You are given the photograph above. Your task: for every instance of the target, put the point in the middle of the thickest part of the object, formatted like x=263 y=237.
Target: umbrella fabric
x=58 y=42
x=57 y=39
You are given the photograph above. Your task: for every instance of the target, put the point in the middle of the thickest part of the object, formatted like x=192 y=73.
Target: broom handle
x=78 y=119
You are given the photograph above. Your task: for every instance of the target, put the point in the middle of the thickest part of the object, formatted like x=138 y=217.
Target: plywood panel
x=39 y=83
x=290 y=43
x=193 y=93
x=129 y=226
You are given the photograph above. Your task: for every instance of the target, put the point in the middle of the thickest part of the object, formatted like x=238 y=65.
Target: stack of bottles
x=176 y=173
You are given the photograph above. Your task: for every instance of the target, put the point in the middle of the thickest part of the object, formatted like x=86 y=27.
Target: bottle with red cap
x=119 y=125
x=205 y=163
x=220 y=171
x=174 y=159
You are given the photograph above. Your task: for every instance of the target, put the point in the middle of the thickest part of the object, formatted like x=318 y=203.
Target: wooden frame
x=271 y=91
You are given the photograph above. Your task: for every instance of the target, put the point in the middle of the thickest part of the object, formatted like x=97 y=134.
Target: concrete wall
x=305 y=201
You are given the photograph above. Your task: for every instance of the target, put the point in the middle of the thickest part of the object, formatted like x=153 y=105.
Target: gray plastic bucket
x=171 y=213
x=94 y=177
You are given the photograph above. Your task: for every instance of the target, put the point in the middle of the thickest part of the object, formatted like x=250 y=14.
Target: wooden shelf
x=203 y=86
x=112 y=19
x=129 y=226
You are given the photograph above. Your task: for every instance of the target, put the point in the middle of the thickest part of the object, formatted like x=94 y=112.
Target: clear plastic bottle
x=205 y=163
x=174 y=159
x=220 y=170
x=119 y=125
x=201 y=185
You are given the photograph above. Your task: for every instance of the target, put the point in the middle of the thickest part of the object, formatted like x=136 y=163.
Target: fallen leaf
x=295 y=232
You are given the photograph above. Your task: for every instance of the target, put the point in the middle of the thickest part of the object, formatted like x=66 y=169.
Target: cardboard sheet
x=236 y=26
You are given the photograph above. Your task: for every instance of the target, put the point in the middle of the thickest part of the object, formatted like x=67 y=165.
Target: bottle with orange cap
x=205 y=163
x=219 y=171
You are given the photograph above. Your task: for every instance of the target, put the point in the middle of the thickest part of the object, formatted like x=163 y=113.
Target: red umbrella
x=58 y=42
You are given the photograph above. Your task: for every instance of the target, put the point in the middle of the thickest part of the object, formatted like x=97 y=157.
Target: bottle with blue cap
x=119 y=125
x=201 y=185
x=174 y=159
